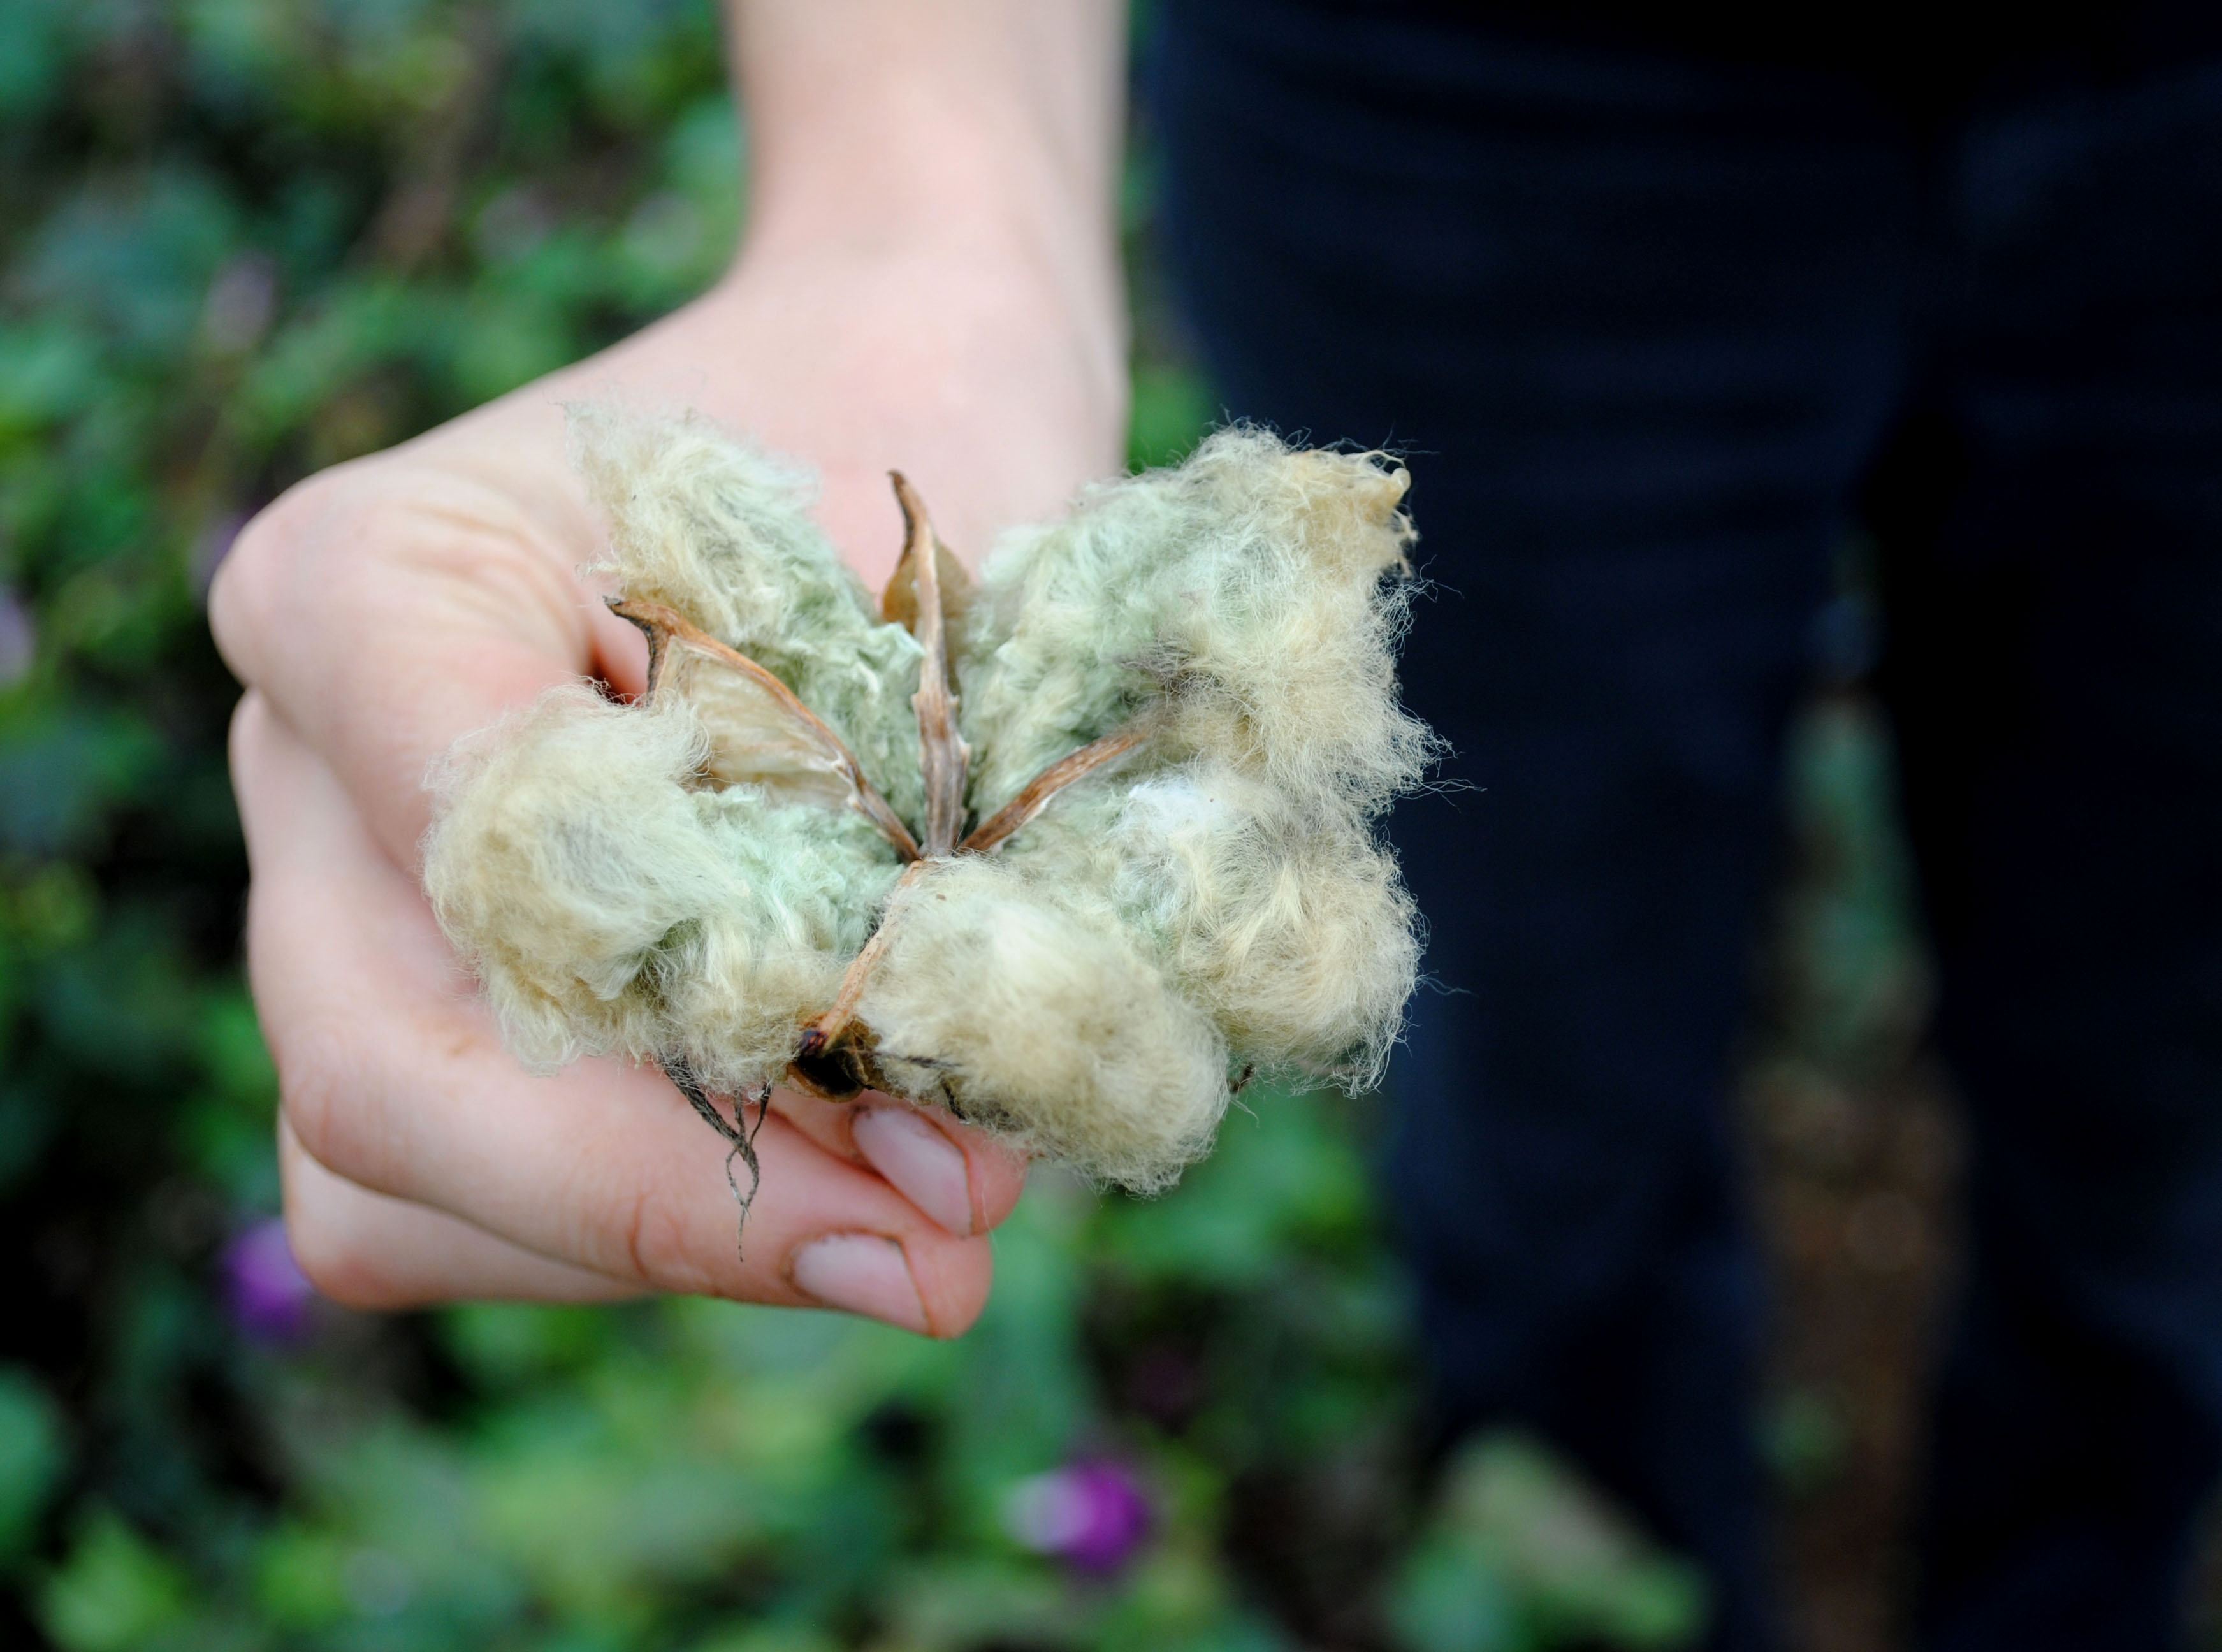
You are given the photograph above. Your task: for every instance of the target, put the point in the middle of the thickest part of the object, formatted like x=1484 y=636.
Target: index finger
x=390 y=606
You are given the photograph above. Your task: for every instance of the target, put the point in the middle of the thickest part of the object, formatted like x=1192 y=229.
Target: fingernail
x=861 y=1273
x=921 y=1163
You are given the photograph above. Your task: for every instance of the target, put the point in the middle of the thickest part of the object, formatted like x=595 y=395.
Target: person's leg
x=1637 y=324
x=2053 y=553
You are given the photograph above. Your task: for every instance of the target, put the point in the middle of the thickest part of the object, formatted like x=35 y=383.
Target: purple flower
x=271 y=1299
x=1090 y=1514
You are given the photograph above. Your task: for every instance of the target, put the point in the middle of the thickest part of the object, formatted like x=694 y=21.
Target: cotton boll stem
x=828 y=1029
x=759 y=733
x=1035 y=796
x=942 y=754
x=899 y=601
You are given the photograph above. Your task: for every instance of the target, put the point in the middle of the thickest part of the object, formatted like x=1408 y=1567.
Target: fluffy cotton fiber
x=1214 y=901
x=610 y=905
x=1052 y=1027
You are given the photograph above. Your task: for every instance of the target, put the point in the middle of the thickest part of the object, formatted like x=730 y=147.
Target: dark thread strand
x=740 y=1134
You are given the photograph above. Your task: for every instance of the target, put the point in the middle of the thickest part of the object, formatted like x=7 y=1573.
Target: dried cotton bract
x=1072 y=850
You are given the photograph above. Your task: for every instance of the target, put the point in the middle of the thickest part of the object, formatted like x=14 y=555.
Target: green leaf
x=1173 y=409
x=1524 y=1549
x=32 y=1456
x=48 y=369
x=32 y=63
x=114 y=1592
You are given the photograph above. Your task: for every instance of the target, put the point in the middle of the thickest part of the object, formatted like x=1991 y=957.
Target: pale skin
x=930 y=281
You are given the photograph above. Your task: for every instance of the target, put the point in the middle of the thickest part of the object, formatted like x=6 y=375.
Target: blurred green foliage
x=1851 y=971
x=245 y=239
x=694 y=1473
x=1521 y=1555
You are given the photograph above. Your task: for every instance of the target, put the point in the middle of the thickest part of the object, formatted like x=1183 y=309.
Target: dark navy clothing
x=1655 y=326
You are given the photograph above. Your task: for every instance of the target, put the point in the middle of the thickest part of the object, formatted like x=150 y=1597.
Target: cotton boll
x=567 y=849
x=1045 y=1026
x=1213 y=896
x=721 y=532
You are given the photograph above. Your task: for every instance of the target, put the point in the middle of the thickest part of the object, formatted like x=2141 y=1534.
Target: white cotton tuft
x=1295 y=933
x=564 y=854
x=1052 y=1030
x=1246 y=599
x=610 y=906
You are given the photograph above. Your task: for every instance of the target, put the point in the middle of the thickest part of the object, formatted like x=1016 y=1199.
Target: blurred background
x=243 y=239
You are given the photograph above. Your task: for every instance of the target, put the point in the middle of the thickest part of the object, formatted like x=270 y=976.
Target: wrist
x=961 y=207
x=979 y=376
x=972 y=145
x=981 y=291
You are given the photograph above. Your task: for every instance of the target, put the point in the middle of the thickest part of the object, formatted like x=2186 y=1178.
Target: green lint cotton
x=1072 y=850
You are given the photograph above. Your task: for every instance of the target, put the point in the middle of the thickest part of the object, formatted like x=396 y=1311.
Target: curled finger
x=394 y=1078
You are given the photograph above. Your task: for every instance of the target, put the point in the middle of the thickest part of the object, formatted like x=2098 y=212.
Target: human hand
x=383 y=609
